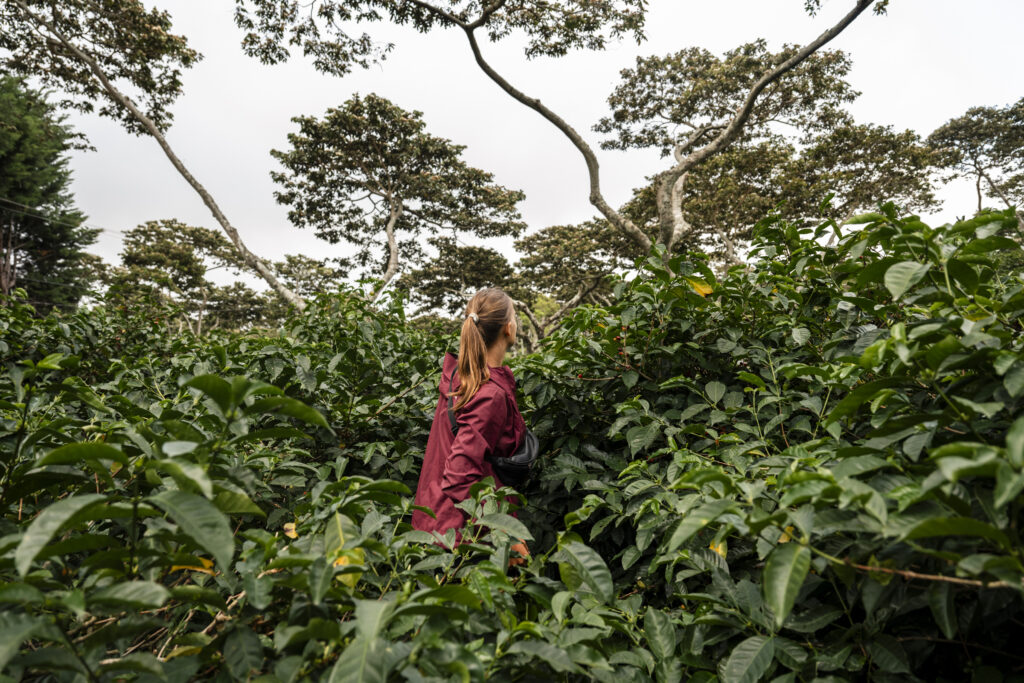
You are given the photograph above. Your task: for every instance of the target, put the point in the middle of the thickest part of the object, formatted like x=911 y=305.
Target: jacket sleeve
x=480 y=423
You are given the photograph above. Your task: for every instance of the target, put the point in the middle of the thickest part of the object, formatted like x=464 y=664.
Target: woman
x=486 y=413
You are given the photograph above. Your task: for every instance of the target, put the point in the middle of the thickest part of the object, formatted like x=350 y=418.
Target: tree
x=120 y=59
x=369 y=174
x=42 y=238
x=309 y=276
x=166 y=262
x=859 y=165
x=447 y=281
x=550 y=29
x=987 y=143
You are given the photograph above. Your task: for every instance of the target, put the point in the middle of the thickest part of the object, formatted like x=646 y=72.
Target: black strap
x=451 y=405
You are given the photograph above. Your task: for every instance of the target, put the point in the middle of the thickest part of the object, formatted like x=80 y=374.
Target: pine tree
x=42 y=238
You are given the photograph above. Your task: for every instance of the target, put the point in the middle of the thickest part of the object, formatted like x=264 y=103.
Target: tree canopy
x=42 y=236
x=369 y=173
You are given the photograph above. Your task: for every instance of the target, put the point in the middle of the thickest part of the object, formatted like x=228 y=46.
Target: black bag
x=514 y=470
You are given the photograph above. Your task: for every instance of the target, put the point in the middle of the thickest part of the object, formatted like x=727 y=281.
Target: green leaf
x=131 y=595
x=642 y=436
x=784 y=574
x=629 y=378
x=1015 y=443
x=235 y=503
x=749 y=660
x=46 y=524
x=368 y=659
x=243 y=653
x=853 y=400
x=51 y=362
x=198 y=519
x=73 y=453
x=696 y=520
x=902 y=276
x=940 y=600
x=215 y=388
x=555 y=657
x=800 y=335
x=187 y=474
x=1014 y=380
x=753 y=379
x=507 y=523
x=888 y=655
x=715 y=391
x=957 y=526
x=660 y=633
x=288 y=406
x=15 y=629
x=592 y=570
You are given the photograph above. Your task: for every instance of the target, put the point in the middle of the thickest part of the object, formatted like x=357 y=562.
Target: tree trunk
x=249 y=258
x=394 y=213
x=8 y=260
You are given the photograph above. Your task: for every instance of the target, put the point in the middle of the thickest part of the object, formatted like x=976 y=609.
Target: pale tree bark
x=549 y=324
x=394 y=213
x=676 y=230
x=8 y=260
x=51 y=33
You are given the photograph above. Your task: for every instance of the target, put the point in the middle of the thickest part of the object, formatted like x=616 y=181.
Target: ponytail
x=486 y=314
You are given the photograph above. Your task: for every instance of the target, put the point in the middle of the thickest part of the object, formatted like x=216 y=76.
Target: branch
x=742 y=115
x=120 y=98
x=529 y=314
x=389 y=230
x=907 y=574
x=593 y=168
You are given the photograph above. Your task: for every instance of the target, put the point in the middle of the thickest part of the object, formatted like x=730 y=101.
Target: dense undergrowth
x=808 y=470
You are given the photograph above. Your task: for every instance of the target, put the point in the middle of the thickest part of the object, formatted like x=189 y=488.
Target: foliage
x=368 y=174
x=131 y=45
x=987 y=143
x=42 y=239
x=447 y=281
x=810 y=469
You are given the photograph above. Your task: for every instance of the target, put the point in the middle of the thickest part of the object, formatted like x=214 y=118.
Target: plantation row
x=810 y=470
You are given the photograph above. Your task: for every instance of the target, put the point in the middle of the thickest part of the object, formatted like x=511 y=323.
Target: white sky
x=922 y=64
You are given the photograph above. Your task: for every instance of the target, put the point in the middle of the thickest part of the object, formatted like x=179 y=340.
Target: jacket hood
x=502 y=375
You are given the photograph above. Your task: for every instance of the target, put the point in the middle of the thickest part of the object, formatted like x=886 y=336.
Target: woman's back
x=489 y=425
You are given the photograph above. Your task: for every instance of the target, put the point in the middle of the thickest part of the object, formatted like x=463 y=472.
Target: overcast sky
x=922 y=64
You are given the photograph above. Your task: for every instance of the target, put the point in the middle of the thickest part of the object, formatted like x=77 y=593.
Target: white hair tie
x=475 y=318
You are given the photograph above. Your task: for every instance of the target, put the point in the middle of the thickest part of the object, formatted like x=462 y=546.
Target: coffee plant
x=806 y=470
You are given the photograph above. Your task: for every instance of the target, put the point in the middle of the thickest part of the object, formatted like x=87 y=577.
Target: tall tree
x=167 y=262
x=118 y=58
x=42 y=238
x=369 y=174
x=550 y=28
x=987 y=144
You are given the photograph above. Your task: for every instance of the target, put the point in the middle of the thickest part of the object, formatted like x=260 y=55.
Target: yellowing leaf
x=289 y=530
x=718 y=548
x=785 y=537
x=355 y=556
x=699 y=286
x=206 y=566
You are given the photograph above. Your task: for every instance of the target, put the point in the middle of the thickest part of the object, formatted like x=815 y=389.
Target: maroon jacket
x=489 y=424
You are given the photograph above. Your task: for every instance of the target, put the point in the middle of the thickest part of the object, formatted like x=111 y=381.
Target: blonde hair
x=486 y=314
